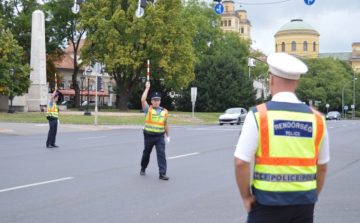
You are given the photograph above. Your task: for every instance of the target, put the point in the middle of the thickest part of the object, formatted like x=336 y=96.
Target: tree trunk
x=76 y=88
x=124 y=99
x=74 y=81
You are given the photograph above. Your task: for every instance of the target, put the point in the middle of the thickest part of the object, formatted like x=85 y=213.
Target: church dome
x=296 y=24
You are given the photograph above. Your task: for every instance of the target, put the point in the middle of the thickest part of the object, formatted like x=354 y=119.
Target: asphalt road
x=94 y=176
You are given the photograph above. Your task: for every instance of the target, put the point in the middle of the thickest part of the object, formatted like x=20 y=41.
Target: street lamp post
x=88 y=73
x=343 y=96
x=82 y=88
x=143 y=81
x=353 y=108
x=11 y=110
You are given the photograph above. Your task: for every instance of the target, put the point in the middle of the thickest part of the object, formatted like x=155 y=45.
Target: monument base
x=37 y=96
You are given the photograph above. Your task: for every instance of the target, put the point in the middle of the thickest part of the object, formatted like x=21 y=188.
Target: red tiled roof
x=84 y=93
x=70 y=48
x=66 y=63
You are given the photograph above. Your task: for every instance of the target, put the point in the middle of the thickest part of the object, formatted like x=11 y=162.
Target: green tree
x=207 y=23
x=65 y=22
x=124 y=43
x=232 y=44
x=324 y=82
x=221 y=83
x=11 y=57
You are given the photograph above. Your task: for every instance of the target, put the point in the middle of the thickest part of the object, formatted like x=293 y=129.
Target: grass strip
x=175 y=117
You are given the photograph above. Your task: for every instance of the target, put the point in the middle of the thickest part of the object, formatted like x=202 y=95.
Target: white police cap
x=286 y=66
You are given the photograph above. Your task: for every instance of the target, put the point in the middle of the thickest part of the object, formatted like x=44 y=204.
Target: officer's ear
x=271 y=79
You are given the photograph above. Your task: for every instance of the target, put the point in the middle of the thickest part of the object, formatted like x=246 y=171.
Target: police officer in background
x=52 y=115
x=156 y=125
x=290 y=143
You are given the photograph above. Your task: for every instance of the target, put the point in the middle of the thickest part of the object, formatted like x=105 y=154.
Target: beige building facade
x=235 y=20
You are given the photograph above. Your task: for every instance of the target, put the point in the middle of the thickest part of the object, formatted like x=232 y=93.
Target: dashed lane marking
x=190 y=154
x=41 y=125
x=344 y=125
x=331 y=127
x=202 y=129
x=35 y=184
x=97 y=137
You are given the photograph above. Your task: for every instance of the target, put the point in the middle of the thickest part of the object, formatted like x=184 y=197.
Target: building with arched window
x=294 y=37
x=235 y=20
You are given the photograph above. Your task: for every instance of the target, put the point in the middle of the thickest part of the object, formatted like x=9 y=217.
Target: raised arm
x=53 y=94
x=144 y=104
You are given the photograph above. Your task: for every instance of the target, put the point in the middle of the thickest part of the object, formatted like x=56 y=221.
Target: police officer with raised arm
x=52 y=115
x=290 y=143
x=156 y=125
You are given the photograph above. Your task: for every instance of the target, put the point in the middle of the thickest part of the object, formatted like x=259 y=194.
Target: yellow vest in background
x=52 y=111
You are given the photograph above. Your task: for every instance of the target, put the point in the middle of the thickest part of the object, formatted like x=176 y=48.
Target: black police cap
x=155 y=95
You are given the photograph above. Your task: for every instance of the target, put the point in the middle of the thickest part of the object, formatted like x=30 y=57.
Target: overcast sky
x=337 y=21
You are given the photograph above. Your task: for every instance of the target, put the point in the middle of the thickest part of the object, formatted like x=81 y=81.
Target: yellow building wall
x=238 y=20
x=299 y=39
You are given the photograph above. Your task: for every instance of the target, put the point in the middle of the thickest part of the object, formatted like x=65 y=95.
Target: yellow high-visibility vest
x=52 y=111
x=290 y=136
x=154 y=122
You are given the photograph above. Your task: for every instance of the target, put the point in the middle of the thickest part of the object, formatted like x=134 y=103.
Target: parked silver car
x=233 y=116
x=92 y=103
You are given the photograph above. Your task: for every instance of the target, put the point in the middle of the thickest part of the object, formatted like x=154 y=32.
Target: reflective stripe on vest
x=287 y=154
x=154 y=122
x=53 y=111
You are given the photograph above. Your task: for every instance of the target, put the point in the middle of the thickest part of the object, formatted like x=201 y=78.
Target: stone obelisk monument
x=38 y=89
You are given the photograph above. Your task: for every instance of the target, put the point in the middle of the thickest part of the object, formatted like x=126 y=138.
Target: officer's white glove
x=167 y=140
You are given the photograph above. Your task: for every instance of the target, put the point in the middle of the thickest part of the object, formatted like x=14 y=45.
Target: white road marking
x=354 y=123
x=36 y=184
x=344 y=125
x=174 y=157
x=93 y=137
x=42 y=125
x=212 y=129
x=331 y=127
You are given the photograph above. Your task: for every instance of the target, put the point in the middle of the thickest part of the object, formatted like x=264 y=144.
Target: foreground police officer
x=291 y=147
x=52 y=115
x=155 y=127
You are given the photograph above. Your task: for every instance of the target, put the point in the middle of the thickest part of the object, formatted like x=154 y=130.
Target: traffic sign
x=219 y=9
x=327 y=105
x=346 y=107
x=309 y=2
x=352 y=106
x=139 y=12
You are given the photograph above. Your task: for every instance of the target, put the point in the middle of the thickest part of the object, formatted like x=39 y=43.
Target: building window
x=242 y=30
x=276 y=47
x=293 y=46
x=226 y=8
x=314 y=47
x=225 y=22
x=305 y=46
x=229 y=23
x=283 y=47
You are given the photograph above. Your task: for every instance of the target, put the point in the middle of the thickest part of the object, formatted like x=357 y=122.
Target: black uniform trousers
x=159 y=142
x=260 y=213
x=53 y=123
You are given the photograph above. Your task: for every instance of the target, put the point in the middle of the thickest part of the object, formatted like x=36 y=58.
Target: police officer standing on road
x=155 y=126
x=290 y=143
x=52 y=115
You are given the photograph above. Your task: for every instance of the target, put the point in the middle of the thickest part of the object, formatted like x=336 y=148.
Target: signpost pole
x=193 y=98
